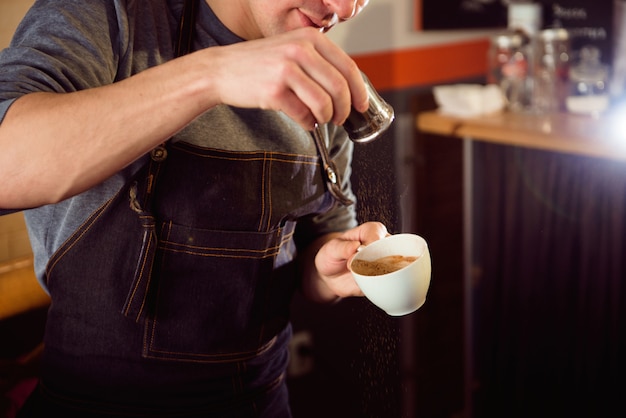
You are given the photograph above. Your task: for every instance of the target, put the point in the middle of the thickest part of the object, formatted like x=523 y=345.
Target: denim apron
x=177 y=290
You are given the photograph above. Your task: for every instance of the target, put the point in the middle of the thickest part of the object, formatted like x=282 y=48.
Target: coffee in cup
x=382 y=265
x=394 y=273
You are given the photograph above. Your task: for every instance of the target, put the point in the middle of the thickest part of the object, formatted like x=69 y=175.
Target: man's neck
x=235 y=15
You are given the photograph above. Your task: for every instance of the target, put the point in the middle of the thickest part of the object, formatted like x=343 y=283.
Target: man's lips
x=322 y=24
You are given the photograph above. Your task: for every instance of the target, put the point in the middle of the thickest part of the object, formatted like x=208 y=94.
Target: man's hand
x=301 y=73
x=327 y=277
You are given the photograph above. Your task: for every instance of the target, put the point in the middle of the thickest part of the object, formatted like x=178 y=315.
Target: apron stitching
x=141 y=275
x=167 y=245
x=149 y=184
x=263 y=194
x=220 y=357
x=201 y=247
x=277 y=238
x=144 y=343
x=245 y=155
x=76 y=237
x=151 y=324
x=264 y=254
x=269 y=194
x=153 y=172
x=169 y=231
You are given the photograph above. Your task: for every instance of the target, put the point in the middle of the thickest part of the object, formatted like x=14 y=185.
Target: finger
x=321 y=86
x=336 y=86
x=338 y=251
x=342 y=250
x=350 y=72
x=294 y=108
x=365 y=234
x=335 y=71
x=369 y=232
x=312 y=94
x=292 y=93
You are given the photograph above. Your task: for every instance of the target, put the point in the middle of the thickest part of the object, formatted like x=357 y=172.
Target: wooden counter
x=543 y=242
x=603 y=137
x=19 y=290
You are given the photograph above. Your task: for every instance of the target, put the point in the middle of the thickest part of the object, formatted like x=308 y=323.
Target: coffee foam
x=382 y=265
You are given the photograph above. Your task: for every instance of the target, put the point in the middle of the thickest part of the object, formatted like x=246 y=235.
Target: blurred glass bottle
x=552 y=59
x=524 y=16
x=508 y=67
x=588 y=80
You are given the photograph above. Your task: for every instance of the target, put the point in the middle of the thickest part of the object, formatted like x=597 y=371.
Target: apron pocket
x=210 y=296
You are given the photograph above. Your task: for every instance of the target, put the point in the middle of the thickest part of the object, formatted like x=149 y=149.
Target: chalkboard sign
x=587 y=21
x=460 y=14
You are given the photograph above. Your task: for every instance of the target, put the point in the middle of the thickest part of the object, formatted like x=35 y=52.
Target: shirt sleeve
x=340 y=217
x=61 y=46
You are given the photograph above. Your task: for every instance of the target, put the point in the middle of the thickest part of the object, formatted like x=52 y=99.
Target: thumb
x=334 y=257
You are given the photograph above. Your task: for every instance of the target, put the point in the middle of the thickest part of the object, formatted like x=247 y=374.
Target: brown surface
x=561 y=132
x=19 y=289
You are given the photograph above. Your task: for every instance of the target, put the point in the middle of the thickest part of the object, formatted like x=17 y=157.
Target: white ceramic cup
x=402 y=291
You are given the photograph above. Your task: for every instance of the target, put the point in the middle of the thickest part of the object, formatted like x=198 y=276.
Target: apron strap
x=186 y=28
x=184 y=39
x=333 y=182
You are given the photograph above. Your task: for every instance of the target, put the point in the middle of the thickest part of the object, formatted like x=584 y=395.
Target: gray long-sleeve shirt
x=69 y=45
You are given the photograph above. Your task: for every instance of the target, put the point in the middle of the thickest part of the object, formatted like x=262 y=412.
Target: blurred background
x=526 y=313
